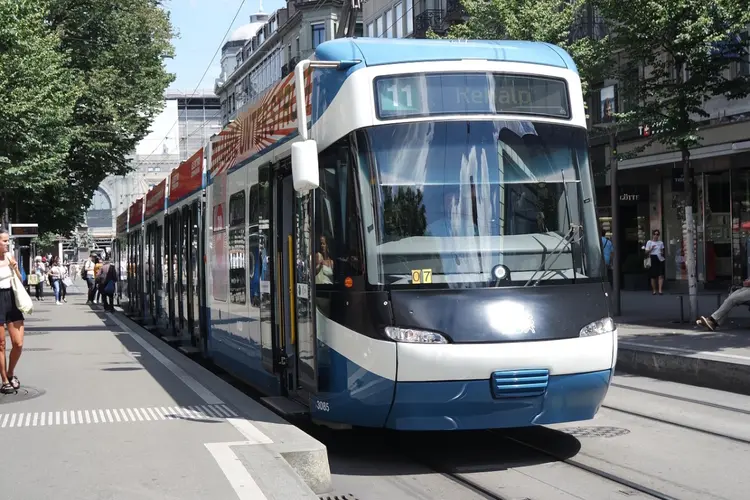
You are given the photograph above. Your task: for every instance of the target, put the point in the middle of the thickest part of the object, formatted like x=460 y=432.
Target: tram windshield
x=458 y=198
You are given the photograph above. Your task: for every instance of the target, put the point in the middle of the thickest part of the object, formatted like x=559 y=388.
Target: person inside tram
x=323 y=263
x=739 y=297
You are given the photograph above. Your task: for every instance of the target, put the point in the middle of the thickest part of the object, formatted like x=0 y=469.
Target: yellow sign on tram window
x=419 y=276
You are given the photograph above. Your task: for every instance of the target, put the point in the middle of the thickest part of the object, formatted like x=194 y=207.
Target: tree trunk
x=690 y=234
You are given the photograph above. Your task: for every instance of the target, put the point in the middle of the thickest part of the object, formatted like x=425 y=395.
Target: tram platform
x=107 y=410
x=653 y=342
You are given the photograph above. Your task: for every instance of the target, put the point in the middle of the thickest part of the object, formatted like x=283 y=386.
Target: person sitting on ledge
x=736 y=298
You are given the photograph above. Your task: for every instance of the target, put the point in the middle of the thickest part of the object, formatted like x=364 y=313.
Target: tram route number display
x=470 y=93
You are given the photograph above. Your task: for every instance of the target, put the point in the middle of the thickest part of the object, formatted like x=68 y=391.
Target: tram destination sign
x=430 y=94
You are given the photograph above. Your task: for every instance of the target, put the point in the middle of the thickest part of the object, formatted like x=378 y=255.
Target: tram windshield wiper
x=573 y=234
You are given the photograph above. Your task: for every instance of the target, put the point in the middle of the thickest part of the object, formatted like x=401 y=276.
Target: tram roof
x=378 y=51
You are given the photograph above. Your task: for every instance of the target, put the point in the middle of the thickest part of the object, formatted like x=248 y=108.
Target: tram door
x=295 y=230
x=191 y=265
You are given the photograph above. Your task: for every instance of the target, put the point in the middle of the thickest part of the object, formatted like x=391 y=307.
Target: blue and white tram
x=136 y=298
x=424 y=250
x=184 y=278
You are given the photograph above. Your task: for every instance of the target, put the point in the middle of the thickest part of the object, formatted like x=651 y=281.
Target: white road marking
x=202 y=413
x=251 y=433
x=242 y=482
x=236 y=473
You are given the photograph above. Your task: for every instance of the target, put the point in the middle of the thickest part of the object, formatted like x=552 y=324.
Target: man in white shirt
x=88 y=266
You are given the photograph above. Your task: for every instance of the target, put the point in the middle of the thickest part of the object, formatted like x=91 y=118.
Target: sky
x=201 y=25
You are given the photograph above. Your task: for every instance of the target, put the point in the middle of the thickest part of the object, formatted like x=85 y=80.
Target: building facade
x=260 y=53
x=390 y=18
x=187 y=121
x=651 y=185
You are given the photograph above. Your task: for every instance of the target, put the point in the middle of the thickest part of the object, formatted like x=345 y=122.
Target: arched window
x=99 y=214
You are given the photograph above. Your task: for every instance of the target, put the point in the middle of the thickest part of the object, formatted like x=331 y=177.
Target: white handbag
x=23 y=300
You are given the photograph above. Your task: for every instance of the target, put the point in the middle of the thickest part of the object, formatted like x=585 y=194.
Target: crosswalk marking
x=208 y=413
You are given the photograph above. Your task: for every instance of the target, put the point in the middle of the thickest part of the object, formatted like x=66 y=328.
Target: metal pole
x=614 y=185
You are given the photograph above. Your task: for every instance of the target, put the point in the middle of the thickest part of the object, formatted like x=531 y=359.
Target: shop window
x=338 y=244
x=237 y=246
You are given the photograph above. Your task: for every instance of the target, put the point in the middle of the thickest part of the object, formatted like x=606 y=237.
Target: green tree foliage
x=680 y=54
x=404 y=213
x=548 y=21
x=36 y=102
x=82 y=81
x=117 y=48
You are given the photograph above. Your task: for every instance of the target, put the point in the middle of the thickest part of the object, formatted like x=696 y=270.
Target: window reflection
x=461 y=197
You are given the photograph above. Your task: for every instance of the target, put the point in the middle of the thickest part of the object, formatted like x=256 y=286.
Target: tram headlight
x=599 y=327
x=413 y=336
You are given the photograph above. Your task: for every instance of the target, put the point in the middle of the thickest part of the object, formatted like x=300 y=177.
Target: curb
x=305 y=456
x=685 y=367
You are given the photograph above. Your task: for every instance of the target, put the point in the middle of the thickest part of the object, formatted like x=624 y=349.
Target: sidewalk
x=654 y=343
x=108 y=411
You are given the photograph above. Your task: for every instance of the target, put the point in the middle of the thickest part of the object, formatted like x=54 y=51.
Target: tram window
x=237 y=248
x=338 y=245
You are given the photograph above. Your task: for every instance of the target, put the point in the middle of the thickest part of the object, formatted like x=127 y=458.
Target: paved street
x=104 y=413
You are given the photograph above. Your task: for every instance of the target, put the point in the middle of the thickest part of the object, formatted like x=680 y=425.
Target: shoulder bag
x=23 y=300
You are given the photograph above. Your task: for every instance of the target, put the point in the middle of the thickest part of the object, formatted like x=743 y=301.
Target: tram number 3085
x=322 y=406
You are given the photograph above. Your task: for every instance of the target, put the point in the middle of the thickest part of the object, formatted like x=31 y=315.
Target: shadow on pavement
x=169 y=382
x=379 y=452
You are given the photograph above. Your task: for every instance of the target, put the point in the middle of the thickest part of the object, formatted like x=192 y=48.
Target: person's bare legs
x=16 y=338
x=653 y=285
x=3 y=373
x=661 y=284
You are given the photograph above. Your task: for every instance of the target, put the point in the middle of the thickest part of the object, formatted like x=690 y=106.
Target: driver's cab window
x=337 y=242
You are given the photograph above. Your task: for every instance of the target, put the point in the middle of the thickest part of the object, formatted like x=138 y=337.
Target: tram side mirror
x=305 y=174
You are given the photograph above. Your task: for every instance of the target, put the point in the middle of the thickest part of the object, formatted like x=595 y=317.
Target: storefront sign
x=630 y=197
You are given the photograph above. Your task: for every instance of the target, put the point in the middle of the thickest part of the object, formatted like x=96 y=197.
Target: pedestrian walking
x=40 y=270
x=11 y=318
x=88 y=269
x=107 y=281
x=56 y=275
x=97 y=267
x=608 y=251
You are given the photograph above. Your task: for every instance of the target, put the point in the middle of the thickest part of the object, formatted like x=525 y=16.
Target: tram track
x=667 y=421
x=621 y=481
x=677 y=424
x=682 y=398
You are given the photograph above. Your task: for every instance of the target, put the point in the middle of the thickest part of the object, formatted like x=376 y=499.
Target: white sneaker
x=58 y=303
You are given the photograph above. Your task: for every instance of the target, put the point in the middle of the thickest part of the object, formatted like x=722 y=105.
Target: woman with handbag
x=654 y=262
x=10 y=317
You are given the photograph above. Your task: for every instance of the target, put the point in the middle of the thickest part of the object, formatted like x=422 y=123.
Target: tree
x=117 y=48
x=682 y=51
x=404 y=213
x=36 y=104
x=548 y=21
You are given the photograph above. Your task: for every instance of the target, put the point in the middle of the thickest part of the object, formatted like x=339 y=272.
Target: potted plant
x=633 y=273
